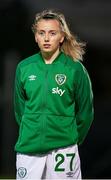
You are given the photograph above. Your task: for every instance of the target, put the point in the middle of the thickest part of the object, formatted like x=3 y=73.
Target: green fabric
x=53 y=103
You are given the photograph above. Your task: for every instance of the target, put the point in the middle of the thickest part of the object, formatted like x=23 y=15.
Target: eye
x=53 y=33
x=41 y=33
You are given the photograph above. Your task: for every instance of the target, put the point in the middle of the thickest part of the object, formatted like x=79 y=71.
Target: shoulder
x=74 y=64
x=28 y=60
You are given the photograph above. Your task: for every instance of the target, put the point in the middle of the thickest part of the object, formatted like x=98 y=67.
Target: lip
x=46 y=45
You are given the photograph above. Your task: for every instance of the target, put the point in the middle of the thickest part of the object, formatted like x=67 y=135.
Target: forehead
x=48 y=24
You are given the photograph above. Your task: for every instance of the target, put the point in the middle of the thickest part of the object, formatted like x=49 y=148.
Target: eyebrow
x=49 y=30
x=42 y=30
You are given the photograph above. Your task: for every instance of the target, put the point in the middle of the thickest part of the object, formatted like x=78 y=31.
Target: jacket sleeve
x=19 y=98
x=83 y=104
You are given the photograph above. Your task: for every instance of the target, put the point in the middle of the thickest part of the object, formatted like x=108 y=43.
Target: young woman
x=53 y=103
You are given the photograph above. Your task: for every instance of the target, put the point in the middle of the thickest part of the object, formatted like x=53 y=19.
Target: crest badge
x=22 y=172
x=60 y=78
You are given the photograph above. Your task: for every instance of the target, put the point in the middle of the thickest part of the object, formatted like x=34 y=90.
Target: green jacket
x=53 y=103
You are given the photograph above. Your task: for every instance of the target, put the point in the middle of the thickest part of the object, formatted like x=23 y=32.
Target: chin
x=47 y=51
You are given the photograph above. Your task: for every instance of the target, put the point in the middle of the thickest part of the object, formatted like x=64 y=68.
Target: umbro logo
x=70 y=174
x=32 y=77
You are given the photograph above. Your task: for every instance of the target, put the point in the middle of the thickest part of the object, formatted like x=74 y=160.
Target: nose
x=46 y=38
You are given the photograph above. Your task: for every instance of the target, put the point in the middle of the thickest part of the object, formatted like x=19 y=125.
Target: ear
x=62 y=39
x=36 y=38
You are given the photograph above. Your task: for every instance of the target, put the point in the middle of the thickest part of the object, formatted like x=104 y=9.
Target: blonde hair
x=70 y=45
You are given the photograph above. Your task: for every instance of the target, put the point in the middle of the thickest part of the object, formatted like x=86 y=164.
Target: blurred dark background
x=90 y=20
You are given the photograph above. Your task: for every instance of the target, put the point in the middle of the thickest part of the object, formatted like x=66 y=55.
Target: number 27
x=60 y=159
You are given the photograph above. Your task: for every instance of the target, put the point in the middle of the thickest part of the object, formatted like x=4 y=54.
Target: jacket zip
x=44 y=101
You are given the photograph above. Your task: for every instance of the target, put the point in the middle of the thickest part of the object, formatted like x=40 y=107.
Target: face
x=49 y=35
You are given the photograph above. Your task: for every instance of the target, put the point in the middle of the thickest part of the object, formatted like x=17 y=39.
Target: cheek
x=56 y=40
x=38 y=40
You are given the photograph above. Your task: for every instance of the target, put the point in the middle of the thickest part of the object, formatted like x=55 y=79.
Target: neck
x=50 y=57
